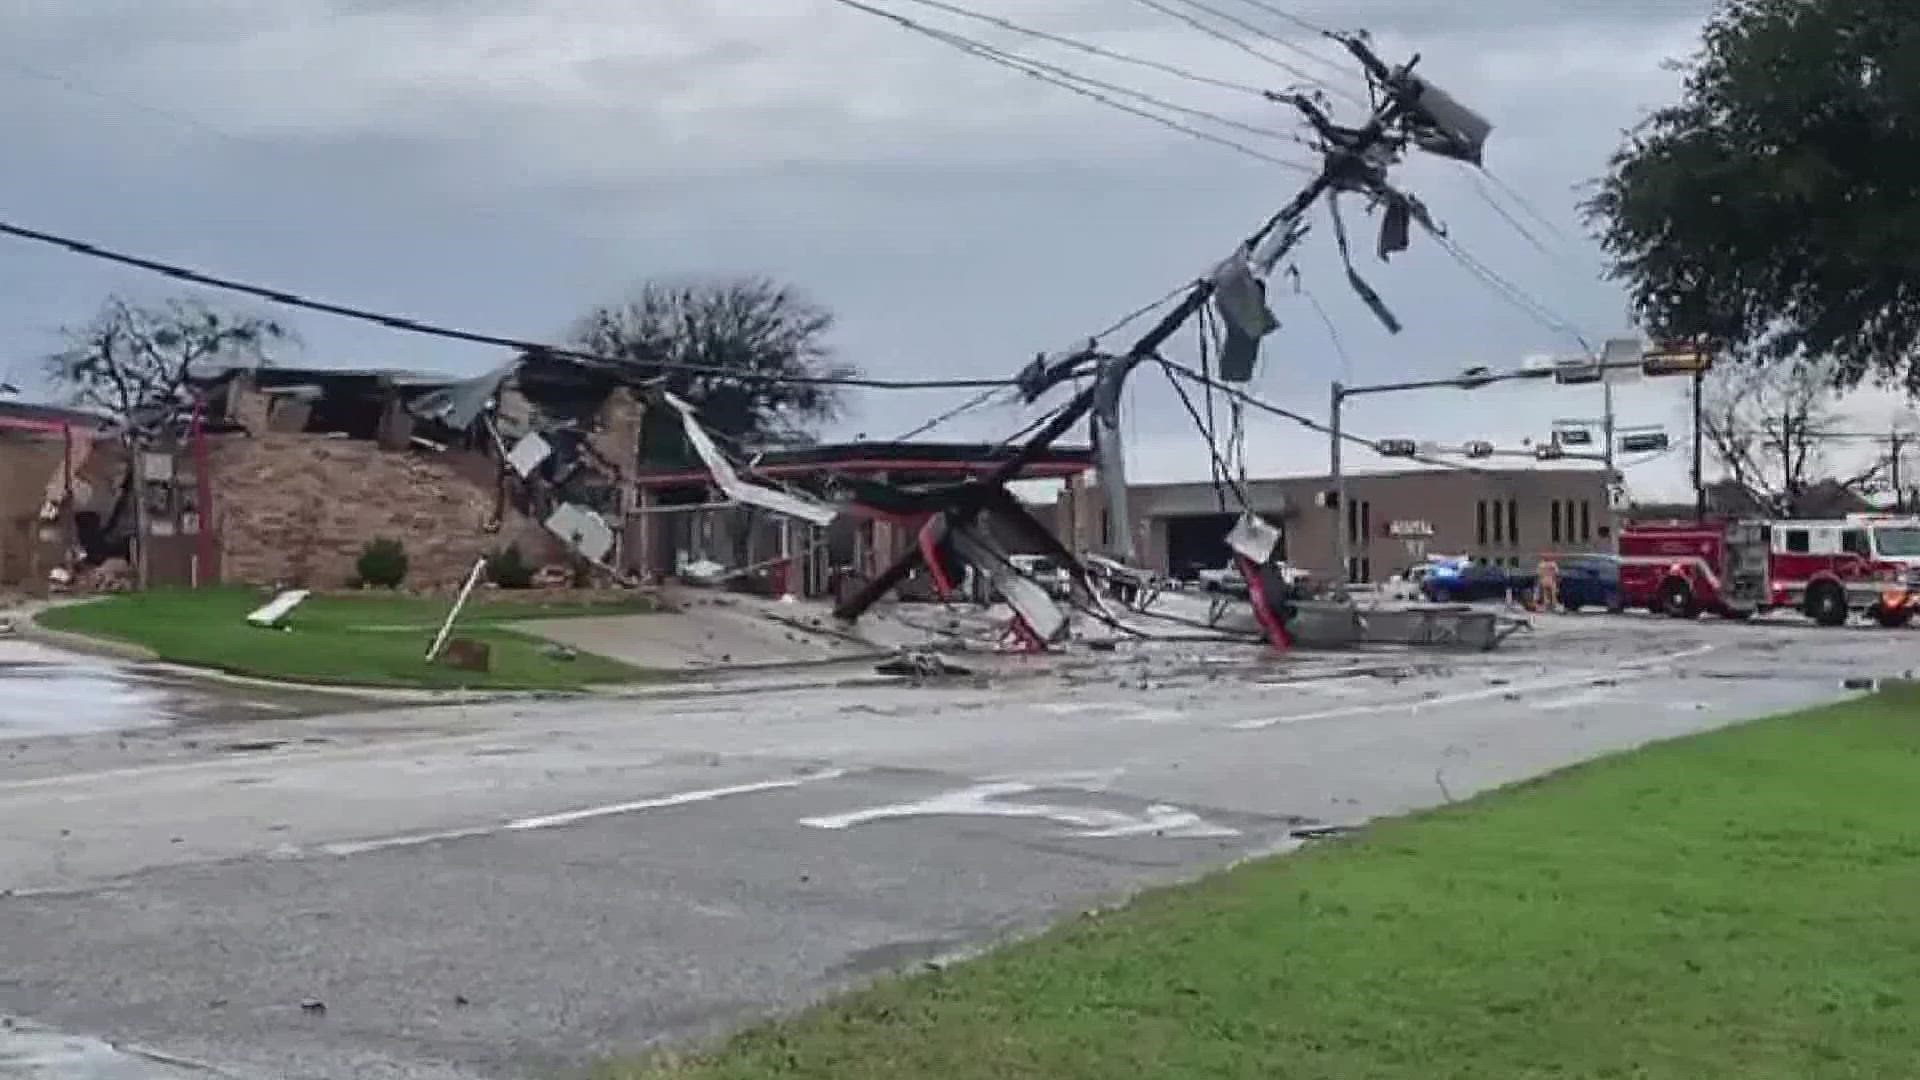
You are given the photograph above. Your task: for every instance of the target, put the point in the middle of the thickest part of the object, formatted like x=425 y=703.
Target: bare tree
x=133 y=361
x=1771 y=429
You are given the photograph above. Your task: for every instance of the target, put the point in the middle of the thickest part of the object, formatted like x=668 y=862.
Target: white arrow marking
x=989 y=800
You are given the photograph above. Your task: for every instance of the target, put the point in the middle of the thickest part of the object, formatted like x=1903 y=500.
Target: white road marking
x=989 y=800
x=550 y=821
x=682 y=799
x=1557 y=682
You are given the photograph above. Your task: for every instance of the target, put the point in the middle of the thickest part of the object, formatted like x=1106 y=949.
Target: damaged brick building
x=306 y=466
x=300 y=468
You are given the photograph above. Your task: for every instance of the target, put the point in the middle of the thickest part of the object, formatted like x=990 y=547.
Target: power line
x=1513 y=294
x=982 y=398
x=1095 y=50
x=1289 y=16
x=967 y=406
x=438 y=330
x=1333 y=332
x=1126 y=91
x=74 y=86
x=1037 y=70
x=1486 y=196
x=1220 y=35
x=1525 y=204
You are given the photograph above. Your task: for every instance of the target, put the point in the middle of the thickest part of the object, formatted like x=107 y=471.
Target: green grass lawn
x=1744 y=904
x=363 y=639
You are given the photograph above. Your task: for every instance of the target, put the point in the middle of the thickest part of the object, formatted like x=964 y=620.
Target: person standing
x=1547 y=583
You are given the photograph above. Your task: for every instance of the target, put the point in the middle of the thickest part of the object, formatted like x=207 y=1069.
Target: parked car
x=1591 y=581
x=1585 y=581
x=1044 y=572
x=1455 y=581
x=1227 y=579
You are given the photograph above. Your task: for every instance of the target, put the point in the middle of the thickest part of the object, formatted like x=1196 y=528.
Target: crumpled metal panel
x=780 y=502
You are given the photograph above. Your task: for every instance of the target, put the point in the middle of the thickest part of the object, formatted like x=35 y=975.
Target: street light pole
x=1699 y=478
x=1607 y=452
x=1339 y=489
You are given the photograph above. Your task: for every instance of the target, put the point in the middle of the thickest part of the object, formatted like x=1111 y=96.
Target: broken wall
x=300 y=509
x=25 y=465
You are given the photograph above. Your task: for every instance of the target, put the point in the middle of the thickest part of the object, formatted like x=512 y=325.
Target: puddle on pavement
x=75 y=699
x=49 y=694
x=28 y=1052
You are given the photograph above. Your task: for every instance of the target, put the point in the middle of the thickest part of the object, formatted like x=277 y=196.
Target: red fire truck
x=1867 y=564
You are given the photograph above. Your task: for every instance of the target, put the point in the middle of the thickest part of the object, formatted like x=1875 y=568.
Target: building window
x=1499 y=532
x=1366 y=523
x=1106 y=528
x=1513 y=522
x=1481 y=508
x=1353 y=521
x=1366 y=571
x=1556 y=521
x=1586 y=521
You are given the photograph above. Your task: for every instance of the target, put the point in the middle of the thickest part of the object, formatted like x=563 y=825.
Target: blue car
x=1585 y=581
x=1590 y=581
x=1455 y=581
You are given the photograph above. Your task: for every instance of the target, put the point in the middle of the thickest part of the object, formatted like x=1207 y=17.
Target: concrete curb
x=666 y=690
x=30 y=629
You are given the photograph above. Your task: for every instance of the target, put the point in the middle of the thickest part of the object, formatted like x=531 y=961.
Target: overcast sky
x=504 y=164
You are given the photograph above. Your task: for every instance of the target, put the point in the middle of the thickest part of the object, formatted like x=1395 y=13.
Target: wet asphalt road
x=507 y=890
x=48 y=693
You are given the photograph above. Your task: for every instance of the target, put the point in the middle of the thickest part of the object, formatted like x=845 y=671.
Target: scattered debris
x=556 y=651
x=313 y=1007
x=257 y=746
x=1321 y=832
x=276 y=611
x=921 y=665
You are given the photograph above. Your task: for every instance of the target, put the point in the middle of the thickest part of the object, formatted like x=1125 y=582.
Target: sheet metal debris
x=767 y=498
x=583 y=530
x=529 y=454
x=276 y=610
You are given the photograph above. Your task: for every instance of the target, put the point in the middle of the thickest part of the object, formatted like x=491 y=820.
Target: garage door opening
x=1197 y=542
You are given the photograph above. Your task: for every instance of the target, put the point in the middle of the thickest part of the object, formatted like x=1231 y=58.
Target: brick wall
x=26 y=464
x=299 y=509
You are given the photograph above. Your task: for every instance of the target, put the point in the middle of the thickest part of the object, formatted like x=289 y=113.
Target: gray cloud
x=504 y=163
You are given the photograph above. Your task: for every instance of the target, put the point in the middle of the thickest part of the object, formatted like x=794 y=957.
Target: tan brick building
x=1509 y=516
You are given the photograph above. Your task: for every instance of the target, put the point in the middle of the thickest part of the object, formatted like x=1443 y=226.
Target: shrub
x=509 y=569
x=383 y=564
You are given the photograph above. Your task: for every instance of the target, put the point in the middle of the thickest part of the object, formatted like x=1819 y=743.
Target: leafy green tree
x=1776 y=208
